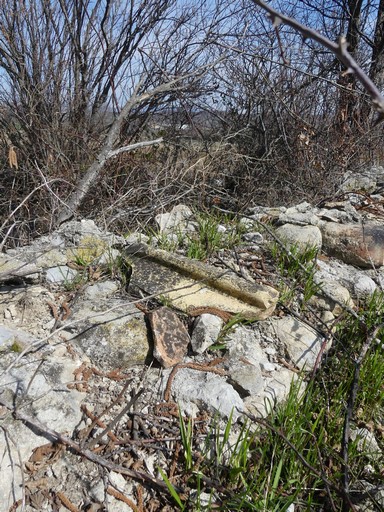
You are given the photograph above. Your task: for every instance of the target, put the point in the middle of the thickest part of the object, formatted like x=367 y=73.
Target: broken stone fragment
x=206 y=330
x=170 y=336
x=177 y=220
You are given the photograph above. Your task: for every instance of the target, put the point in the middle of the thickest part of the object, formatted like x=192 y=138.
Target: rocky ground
x=103 y=337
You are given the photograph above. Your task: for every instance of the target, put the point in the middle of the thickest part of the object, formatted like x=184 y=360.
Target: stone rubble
x=96 y=323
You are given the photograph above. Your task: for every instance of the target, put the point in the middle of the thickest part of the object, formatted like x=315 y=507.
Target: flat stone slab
x=189 y=284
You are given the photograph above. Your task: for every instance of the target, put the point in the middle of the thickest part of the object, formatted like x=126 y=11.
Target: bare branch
x=132 y=147
x=339 y=49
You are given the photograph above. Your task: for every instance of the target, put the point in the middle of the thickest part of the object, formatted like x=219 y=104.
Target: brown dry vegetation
x=272 y=120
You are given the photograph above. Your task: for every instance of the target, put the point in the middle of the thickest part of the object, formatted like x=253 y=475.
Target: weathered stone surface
x=101 y=289
x=112 y=333
x=60 y=274
x=302 y=343
x=275 y=391
x=13 y=268
x=300 y=236
x=366 y=181
x=177 y=220
x=206 y=330
x=41 y=381
x=247 y=377
x=27 y=307
x=254 y=370
x=302 y=215
x=358 y=282
x=331 y=297
x=253 y=237
x=361 y=245
x=364 y=287
x=82 y=239
x=367 y=443
x=170 y=336
x=189 y=283
x=194 y=390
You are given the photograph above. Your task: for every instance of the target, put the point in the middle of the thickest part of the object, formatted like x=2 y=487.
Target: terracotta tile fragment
x=170 y=336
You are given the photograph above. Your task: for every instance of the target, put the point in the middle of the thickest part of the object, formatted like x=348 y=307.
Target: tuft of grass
x=16 y=347
x=294 y=456
x=208 y=238
x=297 y=268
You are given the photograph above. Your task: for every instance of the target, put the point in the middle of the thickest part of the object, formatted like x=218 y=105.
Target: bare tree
x=82 y=78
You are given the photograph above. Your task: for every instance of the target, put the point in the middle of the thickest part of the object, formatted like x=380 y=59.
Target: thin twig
x=339 y=49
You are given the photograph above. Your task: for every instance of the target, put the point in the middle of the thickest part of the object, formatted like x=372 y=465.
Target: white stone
x=60 y=274
x=117 y=480
x=366 y=443
x=302 y=343
x=206 y=390
x=331 y=296
x=246 y=222
x=97 y=491
x=300 y=236
x=271 y=351
x=176 y=220
x=101 y=289
x=364 y=287
x=205 y=332
x=268 y=367
x=253 y=237
x=44 y=383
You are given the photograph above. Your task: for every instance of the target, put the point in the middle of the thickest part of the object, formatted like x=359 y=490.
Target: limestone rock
x=73 y=239
x=253 y=237
x=206 y=330
x=303 y=214
x=193 y=389
x=331 y=296
x=358 y=282
x=112 y=333
x=170 y=336
x=302 y=343
x=27 y=307
x=41 y=380
x=366 y=181
x=364 y=287
x=366 y=443
x=59 y=275
x=300 y=236
x=12 y=268
x=178 y=219
x=360 y=245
